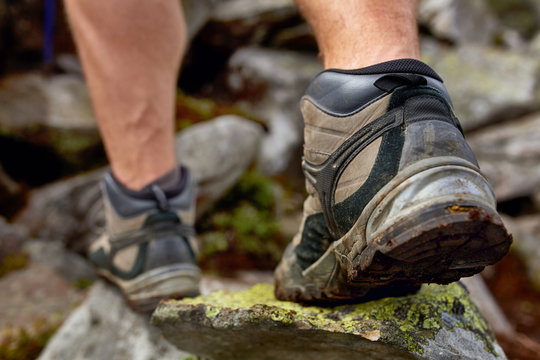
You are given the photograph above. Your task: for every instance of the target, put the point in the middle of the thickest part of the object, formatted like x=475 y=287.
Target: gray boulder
x=71 y=266
x=235 y=23
x=519 y=16
x=535 y=44
x=250 y=10
x=54 y=112
x=103 y=327
x=12 y=238
x=218 y=152
x=460 y=21
x=271 y=83
x=11 y=192
x=486 y=84
x=440 y=322
x=197 y=13
x=69 y=211
x=509 y=155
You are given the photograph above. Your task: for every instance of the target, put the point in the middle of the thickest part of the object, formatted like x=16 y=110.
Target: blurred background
x=248 y=63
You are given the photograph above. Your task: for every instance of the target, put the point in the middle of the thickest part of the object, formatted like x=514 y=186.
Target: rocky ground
x=244 y=107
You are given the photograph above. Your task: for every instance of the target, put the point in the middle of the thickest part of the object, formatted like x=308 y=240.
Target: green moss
x=244 y=221
x=211 y=312
x=253 y=187
x=13 y=262
x=22 y=344
x=81 y=284
x=406 y=321
x=191 y=110
x=431 y=324
x=70 y=143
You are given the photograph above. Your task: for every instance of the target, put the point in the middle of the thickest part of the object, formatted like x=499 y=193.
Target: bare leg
x=356 y=33
x=131 y=51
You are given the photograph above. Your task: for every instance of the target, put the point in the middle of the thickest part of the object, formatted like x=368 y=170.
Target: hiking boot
x=149 y=247
x=395 y=195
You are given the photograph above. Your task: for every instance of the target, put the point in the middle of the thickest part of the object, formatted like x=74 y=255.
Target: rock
x=71 y=211
x=526 y=245
x=298 y=38
x=250 y=10
x=7 y=185
x=236 y=23
x=271 y=82
x=460 y=21
x=12 y=238
x=218 y=152
x=197 y=13
x=70 y=64
x=535 y=44
x=59 y=101
x=486 y=84
x=68 y=211
x=103 y=327
x=35 y=294
x=52 y=112
x=11 y=194
x=73 y=267
x=509 y=155
x=522 y=16
x=439 y=322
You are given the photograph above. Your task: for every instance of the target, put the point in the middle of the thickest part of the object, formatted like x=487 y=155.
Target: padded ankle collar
x=127 y=205
x=343 y=93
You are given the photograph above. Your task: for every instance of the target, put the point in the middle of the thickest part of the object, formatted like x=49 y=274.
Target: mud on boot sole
x=439 y=244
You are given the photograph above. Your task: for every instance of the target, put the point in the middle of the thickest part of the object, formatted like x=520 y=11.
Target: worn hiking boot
x=149 y=248
x=396 y=197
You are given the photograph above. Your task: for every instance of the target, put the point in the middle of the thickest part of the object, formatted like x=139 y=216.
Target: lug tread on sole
x=451 y=245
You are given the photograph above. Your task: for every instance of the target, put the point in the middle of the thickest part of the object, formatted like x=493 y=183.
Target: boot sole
x=144 y=292
x=439 y=244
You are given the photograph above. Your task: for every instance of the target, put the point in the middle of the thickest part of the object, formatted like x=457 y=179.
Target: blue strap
x=48 y=31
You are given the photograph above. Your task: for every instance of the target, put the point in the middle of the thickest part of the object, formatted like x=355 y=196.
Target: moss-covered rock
x=438 y=322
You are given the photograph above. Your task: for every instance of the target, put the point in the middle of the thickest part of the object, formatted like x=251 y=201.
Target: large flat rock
x=439 y=322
